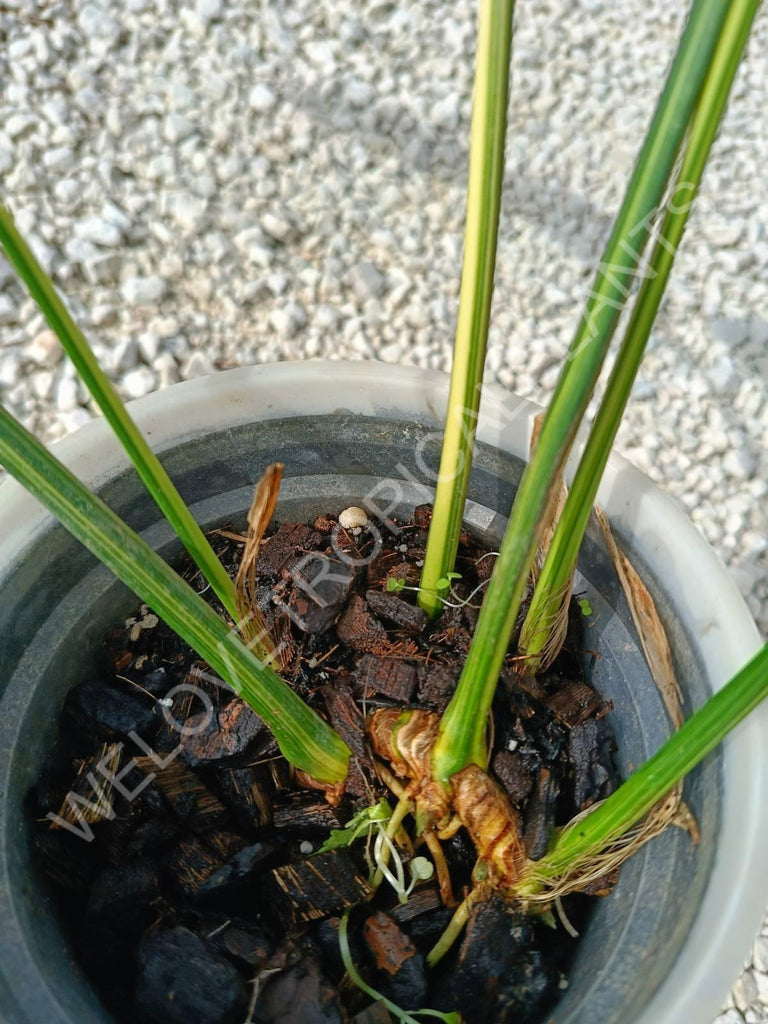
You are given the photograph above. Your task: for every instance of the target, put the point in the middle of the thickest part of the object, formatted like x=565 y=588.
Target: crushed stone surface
x=214 y=184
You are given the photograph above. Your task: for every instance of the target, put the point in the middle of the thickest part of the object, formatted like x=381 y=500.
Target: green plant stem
x=461 y=740
x=564 y=548
x=147 y=464
x=696 y=738
x=305 y=739
x=404 y=1016
x=453 y=929
x=486 y=173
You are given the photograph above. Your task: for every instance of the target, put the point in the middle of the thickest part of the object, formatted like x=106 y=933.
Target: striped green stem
x=461 y=740
x=305 y=739
x=564 y=548
x=486 y=173
x=696 y=738
x=147 y=464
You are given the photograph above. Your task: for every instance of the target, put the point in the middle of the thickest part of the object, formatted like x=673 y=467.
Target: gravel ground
x=219 y=183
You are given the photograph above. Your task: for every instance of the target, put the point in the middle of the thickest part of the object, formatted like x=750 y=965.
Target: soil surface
x=184 y=853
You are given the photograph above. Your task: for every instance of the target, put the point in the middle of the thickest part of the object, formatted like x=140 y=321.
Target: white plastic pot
x=666 y=946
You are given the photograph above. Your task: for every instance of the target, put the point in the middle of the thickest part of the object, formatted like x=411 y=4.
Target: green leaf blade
x=486 y=173
x=569 y=533
x=461 y=739
x=147 y=464
x=304 y=738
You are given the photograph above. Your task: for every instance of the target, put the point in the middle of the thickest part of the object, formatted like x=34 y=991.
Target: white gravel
x=215 y=184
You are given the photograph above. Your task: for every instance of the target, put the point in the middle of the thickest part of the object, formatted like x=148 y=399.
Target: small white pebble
x=166 y=702
x=306 y=847
x=403 y=549
x=353 y=518
x=512 y=745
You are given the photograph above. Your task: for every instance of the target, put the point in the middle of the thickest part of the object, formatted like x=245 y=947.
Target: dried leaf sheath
x=493 y=824
x=252 y=624
x=543 y=633
x=648 y=624
x=406 y=739
x=658 y=655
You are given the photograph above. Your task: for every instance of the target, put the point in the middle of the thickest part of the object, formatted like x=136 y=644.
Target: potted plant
x=692 y=102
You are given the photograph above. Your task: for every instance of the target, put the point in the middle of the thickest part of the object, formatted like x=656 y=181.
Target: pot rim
x=706 y=598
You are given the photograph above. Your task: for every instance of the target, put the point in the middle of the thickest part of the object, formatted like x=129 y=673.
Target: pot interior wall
x=58 y=603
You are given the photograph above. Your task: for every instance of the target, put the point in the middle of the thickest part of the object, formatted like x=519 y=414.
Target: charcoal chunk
x=307 y=820
x=376 y=1013
x=65 y=859
x=107 y=711
x=55 y=778
x=408 y=617
x=301 y=995
x=540 y=815
x=248 y=792
x=139 y=826
x=181 y=980
x=317 y=887
x=398 y=968
x=324 y=936
x=246 y=943
x=156 y=681
x=232 y=879
x=514 y=775
x=500 y=976
x=151 y=835
x=124 y=892
x=321 y=586
x=226 y=735
x=426 y=929
x=590 y=746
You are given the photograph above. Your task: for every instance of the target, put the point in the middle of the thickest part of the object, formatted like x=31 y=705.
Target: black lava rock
x=301 y=995
x=182 y=980
x=501 y=977
x=399 y=971
x=108 y=711
x=123 y=892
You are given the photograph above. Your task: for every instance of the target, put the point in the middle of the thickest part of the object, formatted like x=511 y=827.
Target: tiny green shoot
x=585 y=607
x=362 y=824
x=445 y=581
